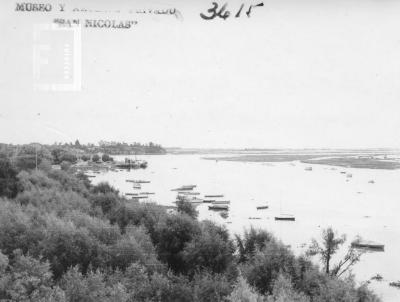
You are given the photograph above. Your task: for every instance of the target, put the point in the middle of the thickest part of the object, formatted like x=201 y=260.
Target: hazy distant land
x=368 y=159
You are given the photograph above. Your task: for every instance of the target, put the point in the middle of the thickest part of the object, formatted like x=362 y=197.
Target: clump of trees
x=106 y=158
x=8 y=178
x=64 y=239
x=95 y=158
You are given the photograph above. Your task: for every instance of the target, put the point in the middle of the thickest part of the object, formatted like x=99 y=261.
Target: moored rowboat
x=218 y=207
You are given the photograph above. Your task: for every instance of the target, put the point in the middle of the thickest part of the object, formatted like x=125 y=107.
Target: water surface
x=319 y=198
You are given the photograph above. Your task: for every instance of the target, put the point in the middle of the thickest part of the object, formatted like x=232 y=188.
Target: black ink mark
x=223 y=13
x=212 y=11
x=240 y=10
x=251 y=6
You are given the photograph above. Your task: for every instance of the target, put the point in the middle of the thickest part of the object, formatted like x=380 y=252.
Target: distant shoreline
x=365 y=160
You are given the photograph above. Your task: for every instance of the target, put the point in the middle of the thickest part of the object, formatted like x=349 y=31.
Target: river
x=319 y=198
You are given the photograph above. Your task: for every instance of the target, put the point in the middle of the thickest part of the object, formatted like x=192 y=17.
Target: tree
x=104 y=188
x=57 y=153
x=106 y=158
x=27 y=279
x=91 y=288
x=331 y=243
x=242 y=292
x=30 y=156
x=283 y=291
x=95 y=158
x=211 y=250
x=172 y=234
x=8 y=178
x=186 y=207
x=252 y=241
x=209 y=287
x=266 y=264
x=85 y=157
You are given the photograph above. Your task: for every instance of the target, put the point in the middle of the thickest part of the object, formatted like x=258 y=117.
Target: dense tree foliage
x=95 y=158
x=105 y=158
x=31 y=156
x=63 y=155
x=184 y=206
x=8 y=178
x=64 y=239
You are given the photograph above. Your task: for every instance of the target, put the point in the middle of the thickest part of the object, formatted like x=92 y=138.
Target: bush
x=20 y=230
x=30 y=155
x=104 y=187
x=54 y=201
x=146 y=214
x=95 y=158
x=283 y=292
x=252 y=241
x=8 y=178
x=63 y=155
x=267 y=264
x=171 y=235
x=91 y=288
x=210 y=250
x=27 y=279
x=66 y=246
x=242 y=292
x=133 y=247
x=185 y=207
x=106 y=158
x=85 y=157
x=210 y=287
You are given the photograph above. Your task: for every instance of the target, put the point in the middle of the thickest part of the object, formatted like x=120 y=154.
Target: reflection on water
x=318 y=198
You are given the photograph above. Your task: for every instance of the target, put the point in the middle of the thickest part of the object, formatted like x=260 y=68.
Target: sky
x=296 y=74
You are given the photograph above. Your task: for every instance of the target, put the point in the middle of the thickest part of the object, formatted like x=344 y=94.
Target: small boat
x=371 y=181
x=285 y=217
x=148 y=193
x=188 y=193
x=196 y=200
x=192 y=200
x=131 y=194
x=139 y=197
x=262 y=207
x=219 y=207
x=138 y=181
x=189 y=186
x=221 y=202
x=308 y=169
x=209 y=200
x=370 y=245
x=214 y=196
x=349 y=175
x=131 y=164
x=185 y=188
x=254 y=218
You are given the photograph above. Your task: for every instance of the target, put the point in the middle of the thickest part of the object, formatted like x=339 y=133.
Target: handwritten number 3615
x=224 y=13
